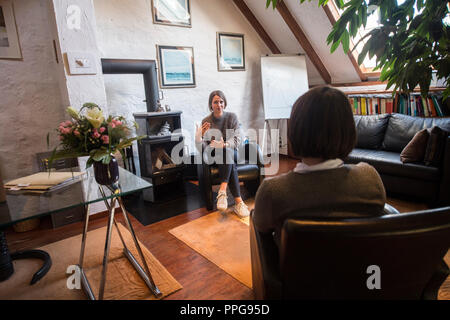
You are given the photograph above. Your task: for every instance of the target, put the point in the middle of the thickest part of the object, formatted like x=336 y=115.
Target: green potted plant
x=89 y=133
x=411 y=41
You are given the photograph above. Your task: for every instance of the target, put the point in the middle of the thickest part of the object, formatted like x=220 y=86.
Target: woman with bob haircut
x=219 y=136
x=321 y=133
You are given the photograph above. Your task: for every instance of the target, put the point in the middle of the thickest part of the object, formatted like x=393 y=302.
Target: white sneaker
x=241 y=210
x=222 y=203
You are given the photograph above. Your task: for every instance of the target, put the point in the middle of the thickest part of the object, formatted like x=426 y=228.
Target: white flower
x=73 y=113
x=95 y=117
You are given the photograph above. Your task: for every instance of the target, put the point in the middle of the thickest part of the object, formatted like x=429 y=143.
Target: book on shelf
x=412 y=104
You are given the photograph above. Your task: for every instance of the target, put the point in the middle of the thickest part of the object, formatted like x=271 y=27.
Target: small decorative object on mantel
x=159 y=107
x=164 y=130
x=90 y=134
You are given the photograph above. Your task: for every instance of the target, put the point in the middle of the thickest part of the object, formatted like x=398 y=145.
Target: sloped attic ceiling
x=316 y=26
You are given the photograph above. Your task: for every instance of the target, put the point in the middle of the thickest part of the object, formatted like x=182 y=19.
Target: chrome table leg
x=106 y=251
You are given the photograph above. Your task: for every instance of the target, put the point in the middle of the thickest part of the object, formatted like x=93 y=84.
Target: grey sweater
x=228 y=121
x=348 y=191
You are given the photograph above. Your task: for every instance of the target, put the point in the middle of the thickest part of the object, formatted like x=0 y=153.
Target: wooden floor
x=200 y=278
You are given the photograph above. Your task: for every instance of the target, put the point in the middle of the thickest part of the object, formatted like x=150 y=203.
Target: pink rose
x=102 y=129
x=105 y=139
x=76 y=132
x=96 y=135
x=112 y=124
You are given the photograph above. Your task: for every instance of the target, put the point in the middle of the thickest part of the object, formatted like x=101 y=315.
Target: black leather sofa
x=381 y=139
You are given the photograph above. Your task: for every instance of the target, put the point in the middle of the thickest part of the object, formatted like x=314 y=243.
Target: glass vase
x=106 y=174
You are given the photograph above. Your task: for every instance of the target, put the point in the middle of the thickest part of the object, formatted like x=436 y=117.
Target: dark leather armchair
x=250 y=162
x=329 y=259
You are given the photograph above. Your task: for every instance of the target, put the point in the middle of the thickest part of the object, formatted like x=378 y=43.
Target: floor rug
x=171 y=200
x=222 y=239
x=122 y=281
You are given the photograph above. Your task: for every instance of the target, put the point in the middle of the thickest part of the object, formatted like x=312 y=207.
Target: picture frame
x=230 y=51
x=9 y=38
x=176 y=66
x=172 y=12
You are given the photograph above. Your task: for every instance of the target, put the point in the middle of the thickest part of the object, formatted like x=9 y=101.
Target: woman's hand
x=200 y=131
x=205 y=127
x=218 y=144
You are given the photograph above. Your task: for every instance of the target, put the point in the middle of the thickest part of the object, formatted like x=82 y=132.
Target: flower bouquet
x=90 y=134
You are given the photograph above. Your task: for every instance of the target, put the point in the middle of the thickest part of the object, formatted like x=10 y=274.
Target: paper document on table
x=44 y=180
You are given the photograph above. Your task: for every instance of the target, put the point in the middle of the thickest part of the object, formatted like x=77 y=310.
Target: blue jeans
x=227 y=169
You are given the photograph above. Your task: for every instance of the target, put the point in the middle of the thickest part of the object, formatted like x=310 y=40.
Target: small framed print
x=172 y=12
x=176 y=66
x=9 y=39
x=230 y=52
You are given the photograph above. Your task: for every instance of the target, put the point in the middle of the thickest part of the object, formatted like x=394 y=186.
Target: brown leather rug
x=222 y=239
x=122 y=280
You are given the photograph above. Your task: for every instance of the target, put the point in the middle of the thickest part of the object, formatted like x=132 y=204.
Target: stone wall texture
x=30 y=99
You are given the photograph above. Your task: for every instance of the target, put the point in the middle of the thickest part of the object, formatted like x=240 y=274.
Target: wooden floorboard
x=200 y=278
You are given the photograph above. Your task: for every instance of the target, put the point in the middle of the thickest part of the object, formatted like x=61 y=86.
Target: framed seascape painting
x=176 y=66
x=172 y=12
x=230 y=52
x=9 y=40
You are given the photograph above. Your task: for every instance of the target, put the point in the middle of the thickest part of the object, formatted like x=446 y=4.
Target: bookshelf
x=370 y=101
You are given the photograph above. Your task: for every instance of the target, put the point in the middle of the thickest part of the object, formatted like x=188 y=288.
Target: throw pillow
x=435 y=147
x=415 y=149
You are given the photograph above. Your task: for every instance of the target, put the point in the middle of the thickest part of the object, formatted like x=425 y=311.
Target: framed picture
x=9 y=39
x=230 y=51
x=176 y=66
x=172 y=12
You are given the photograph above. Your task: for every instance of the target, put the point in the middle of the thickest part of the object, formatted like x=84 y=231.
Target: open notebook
x=43 y=181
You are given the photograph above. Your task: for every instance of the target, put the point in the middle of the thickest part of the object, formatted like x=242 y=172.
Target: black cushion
x=402 y=128
x=389 y=163
x=246 y=172
x=370 y=130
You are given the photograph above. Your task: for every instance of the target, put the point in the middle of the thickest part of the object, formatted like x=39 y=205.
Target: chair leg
x=209 y=198
x=251 y=186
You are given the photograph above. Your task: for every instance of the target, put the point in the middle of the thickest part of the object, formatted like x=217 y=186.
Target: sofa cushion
x=370 y=130
x=436 y=146
x=389 y=163
x=402 y=128
x=415 y=149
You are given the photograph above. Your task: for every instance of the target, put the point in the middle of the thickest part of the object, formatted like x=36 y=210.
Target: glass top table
x=22 y=205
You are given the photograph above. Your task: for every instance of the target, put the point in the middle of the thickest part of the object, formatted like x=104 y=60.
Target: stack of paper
x=43 y=181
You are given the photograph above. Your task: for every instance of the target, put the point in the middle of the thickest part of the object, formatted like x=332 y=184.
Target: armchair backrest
x=350 y=259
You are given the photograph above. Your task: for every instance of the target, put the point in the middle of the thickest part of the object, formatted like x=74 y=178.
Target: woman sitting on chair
x=321 y=133
x=219 y=137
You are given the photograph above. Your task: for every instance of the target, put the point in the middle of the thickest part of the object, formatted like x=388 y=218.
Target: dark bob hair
x=212 y=95
x=322 y=125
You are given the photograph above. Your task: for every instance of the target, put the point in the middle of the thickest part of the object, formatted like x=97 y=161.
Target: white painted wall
x=125 y=30
x=77 y=32
x=30 y=100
